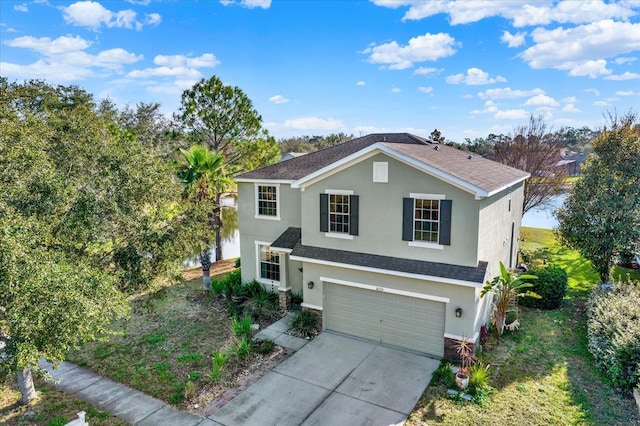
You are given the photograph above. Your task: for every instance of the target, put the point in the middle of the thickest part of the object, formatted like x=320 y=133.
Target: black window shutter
x=353 y=214
x=407 y=219
x=445 y=222
x=324 y=212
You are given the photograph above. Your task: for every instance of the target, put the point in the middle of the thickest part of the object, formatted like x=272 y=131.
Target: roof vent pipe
x=384 y=139
x=436 y=147
x=470 y=157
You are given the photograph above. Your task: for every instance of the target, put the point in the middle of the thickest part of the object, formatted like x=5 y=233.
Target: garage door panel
x=397 y=320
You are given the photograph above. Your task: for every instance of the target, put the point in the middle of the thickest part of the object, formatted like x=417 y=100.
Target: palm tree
x=203 y=177
x=506 y=289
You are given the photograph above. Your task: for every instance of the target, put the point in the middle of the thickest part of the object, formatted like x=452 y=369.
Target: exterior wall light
x=310 y=285
x=458 y=312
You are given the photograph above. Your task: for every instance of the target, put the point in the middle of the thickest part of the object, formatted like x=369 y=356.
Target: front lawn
x=168 y=344
x=543 y=373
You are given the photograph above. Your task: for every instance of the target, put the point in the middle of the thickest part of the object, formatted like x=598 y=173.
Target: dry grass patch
x=53 y=408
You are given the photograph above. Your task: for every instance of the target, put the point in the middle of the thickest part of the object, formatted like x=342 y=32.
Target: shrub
x=242 y=349
x=229 y=285
x=443 y=375
x=304 y=324
x=551 y=285
x=241 y=327
x=264 y=346
x=219 y=359
x=613 y=327
x=478 y=375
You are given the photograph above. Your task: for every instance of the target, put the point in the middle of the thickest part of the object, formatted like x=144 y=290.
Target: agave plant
x=506 y=289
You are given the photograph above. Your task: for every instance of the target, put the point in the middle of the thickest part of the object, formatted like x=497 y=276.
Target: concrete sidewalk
x=137 y=407
x=119 y=400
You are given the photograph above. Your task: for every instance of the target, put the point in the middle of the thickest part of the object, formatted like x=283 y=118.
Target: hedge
x=613 y=328
x=551 y=285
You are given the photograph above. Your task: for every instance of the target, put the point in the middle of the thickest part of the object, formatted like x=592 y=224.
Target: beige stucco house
x=388 y=237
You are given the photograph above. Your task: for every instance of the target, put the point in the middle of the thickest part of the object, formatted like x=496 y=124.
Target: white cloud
x=21 y=7
x=520 y=12
x=314 y=123
x=93 y=15
x=474 y=77
x=570 y=100
x=249 y=4
x=202 y=61
x=627 y=93
x=594 y=91
x=427 y=47
x=625 y=76
x=513 y=40
x=600 y=103
x=65 y=59
x=428 y=90
x=582 y=50
x=490 y=107
x=395 y=90
x=570 y=108
x=511 y=114
x=509 y=93
x=278 y=99
x=541 y=100
x=625 y=60
x=427 y=71
x=361 y=83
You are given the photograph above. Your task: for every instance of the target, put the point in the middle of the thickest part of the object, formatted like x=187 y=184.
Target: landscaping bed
x=542 y=373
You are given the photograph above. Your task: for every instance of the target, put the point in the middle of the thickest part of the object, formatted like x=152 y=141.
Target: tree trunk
x=205 y=261
x=218 y=226
x=25 y=383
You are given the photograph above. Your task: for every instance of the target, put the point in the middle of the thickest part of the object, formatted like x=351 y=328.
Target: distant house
x=387 y=237
x=290 y=155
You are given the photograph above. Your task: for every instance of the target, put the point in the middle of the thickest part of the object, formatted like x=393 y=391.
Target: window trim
x=257 y=185
x=259 y=245
x=352 y=215
x=426 y=244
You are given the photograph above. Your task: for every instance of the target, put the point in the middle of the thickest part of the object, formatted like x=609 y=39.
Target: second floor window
x=267 y=200
x=339 y=213
x=426 y=220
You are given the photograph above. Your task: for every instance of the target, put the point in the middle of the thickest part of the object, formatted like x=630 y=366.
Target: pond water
x=543 y=217
x=230 y=234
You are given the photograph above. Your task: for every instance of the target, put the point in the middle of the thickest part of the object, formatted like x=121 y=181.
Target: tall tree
x=203 y=177
x=534 y=149
x=222 y=118
x=86 y=214
x=601 y=215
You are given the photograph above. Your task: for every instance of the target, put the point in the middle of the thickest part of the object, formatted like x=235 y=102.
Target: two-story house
x=388 y=237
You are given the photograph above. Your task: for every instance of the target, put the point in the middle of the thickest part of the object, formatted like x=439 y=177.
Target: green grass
x=543 y=372
x=52 y=408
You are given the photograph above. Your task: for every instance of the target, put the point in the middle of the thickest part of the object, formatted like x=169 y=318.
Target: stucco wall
x=380 y=217
x=494 y=233
x=254 y=229
x=460 y=296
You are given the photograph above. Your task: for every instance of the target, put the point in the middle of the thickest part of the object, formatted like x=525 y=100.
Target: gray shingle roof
x=299 y=167
x=291 y=239
x=480 y=172
x=288 y=239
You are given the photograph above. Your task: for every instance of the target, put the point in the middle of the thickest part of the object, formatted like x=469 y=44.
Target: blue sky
x=467 y=68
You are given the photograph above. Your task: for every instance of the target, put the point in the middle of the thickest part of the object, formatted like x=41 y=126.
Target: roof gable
x=477 y=175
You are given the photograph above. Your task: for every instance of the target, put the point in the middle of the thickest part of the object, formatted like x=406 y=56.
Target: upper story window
x=339 y=213
x=269 y=264
x=426 y=220
x=267 y=201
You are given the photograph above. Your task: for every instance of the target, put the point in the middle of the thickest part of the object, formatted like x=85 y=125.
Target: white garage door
x=402 y=321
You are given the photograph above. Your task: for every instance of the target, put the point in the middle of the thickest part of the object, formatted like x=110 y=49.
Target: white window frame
x=334 y=234
x=259 y=245
x=257 y=201
x=432 y=197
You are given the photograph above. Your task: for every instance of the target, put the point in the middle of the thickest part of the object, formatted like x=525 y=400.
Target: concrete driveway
x=334 y=380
